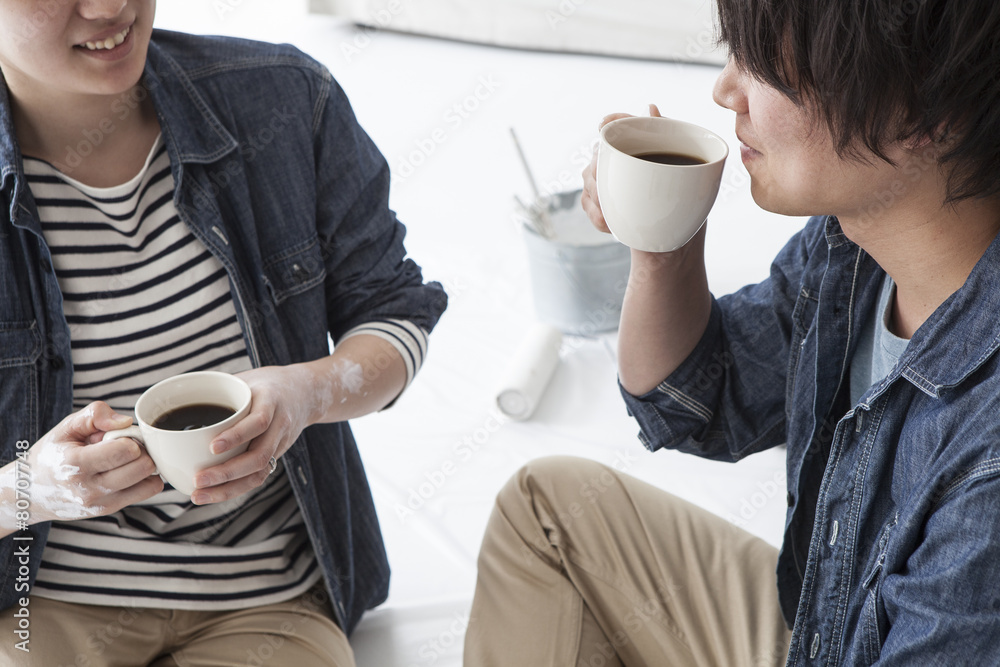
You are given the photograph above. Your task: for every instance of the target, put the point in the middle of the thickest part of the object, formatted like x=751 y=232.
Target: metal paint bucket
x=578 y=276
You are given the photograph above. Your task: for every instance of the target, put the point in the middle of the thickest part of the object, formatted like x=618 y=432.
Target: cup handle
x=130 y=432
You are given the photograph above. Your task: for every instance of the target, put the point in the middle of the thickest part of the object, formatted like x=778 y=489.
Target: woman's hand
x=73 y=475
x=282 y=406
x=362 y=375
x=589 y=199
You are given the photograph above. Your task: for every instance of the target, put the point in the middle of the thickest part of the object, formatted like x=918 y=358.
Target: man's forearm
x=665 y=312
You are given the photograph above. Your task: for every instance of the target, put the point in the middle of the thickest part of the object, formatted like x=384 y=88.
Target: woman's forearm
x=363 y=375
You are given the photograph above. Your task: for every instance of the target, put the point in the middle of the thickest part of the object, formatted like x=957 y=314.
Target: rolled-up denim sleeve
x=727 y=399
x=369 y=277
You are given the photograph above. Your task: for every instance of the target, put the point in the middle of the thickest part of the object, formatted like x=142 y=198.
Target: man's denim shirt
x=891 y=551
x=277 y=179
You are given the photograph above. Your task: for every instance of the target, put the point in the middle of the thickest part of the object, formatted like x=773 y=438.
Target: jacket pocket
x=803 y=316
x=872 y=626
x=294 y=270
x=20 y=350
x=874 y=622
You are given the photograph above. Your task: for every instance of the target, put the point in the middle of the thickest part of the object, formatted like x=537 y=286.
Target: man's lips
x=747 y=152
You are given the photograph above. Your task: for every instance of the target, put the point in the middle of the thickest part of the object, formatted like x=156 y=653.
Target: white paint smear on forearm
x=352 y=376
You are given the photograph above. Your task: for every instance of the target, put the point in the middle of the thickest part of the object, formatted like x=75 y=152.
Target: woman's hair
x=882 y=71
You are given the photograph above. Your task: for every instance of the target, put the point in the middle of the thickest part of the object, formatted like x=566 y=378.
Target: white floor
x=441 y=112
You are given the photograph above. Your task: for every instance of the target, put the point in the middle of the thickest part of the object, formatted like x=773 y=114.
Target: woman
x=182 y=203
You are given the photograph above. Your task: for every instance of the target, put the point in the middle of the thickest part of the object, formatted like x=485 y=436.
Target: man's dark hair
x=880 y=71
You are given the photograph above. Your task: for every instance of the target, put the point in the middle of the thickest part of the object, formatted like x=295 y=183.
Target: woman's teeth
x=110 y=42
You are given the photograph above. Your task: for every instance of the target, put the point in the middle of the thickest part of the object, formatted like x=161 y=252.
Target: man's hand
x=589 y=199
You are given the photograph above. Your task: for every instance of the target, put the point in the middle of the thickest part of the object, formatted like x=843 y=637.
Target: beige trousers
x=582 y=566
x=297 y=633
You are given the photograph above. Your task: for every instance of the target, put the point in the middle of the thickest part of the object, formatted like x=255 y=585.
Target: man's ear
x=918 y=141
x=925 y=139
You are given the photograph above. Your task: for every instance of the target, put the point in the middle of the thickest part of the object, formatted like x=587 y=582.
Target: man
x=870 y=351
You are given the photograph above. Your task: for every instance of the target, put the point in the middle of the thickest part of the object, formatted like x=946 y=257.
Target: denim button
x=299 y=274
x=814 y=649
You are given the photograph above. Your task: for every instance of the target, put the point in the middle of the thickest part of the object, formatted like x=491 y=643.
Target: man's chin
x=773 y=202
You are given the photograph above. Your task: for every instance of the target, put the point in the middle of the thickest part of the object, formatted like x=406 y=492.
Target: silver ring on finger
x=272 y=465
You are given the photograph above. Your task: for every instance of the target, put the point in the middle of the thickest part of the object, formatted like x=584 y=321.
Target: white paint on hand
x=62 y=503
x=51 y=493
x=8 y=520
x=54 y=489
x=54 y=459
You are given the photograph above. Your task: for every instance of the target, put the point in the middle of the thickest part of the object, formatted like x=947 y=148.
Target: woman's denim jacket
x=277 y=179
x=891 y=552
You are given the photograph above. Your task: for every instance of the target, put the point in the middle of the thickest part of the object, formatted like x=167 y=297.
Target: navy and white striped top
x=145 y=300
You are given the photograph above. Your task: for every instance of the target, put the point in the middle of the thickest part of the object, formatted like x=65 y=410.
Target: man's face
x=789 y=153
x=44 y=52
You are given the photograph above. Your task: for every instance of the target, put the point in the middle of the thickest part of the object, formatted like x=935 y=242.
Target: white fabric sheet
x=680 y=30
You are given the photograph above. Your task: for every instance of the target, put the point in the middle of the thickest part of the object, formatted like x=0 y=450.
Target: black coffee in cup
x=190 y=417
x=680 y=159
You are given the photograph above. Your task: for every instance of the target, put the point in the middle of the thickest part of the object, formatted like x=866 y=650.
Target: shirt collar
x=958 y=337
x=835 y=236
x=11 y=178
x=191 y=130
x=962 y=334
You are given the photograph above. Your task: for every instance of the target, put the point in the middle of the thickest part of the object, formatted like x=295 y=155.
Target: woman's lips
x=110 y=46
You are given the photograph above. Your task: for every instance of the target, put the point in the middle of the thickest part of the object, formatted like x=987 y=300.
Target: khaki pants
x=582 y=566
x=297 y=633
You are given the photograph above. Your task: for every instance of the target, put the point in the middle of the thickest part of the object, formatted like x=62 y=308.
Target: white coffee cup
x=650 y=206
x=180 y=455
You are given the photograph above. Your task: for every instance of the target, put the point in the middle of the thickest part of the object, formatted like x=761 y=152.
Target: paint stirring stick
x=544 y=224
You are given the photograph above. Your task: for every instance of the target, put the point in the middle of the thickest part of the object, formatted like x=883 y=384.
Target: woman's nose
x=100 y=9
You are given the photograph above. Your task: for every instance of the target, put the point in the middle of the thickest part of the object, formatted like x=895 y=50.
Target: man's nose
x=729 y=90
